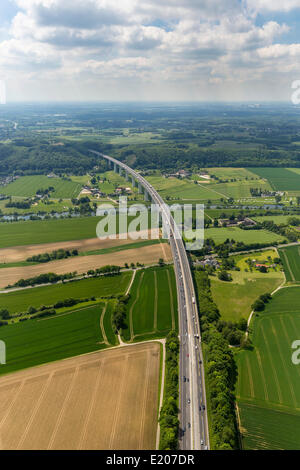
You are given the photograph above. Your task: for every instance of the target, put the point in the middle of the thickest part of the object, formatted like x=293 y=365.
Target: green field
x=36 y=342
x=280 y=179
x=52 y=230
x=277 y=219
x=234 y=299
x=269 y=428
x=19 y=301
x=228 y=173
x=268 y=379
x=290 y=257
x=152 y=309
x=182 y=189
x=238 y=189
x=27 y=186
x=247 y=236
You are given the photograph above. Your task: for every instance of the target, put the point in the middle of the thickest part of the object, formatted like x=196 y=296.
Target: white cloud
x=148 y=43
x=272 y=5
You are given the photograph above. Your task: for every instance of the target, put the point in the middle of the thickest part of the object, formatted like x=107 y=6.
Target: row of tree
x=54 y=255
x=168 y=420
x=220 y=368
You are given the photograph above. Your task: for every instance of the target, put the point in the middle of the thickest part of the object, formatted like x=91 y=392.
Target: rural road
x=193 y=410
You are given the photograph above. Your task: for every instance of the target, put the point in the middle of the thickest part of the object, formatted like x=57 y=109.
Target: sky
x=149 y=50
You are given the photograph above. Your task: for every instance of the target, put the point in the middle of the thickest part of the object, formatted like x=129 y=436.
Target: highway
x=193 y=433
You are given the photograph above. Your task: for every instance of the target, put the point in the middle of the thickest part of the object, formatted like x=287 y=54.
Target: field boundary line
x=213 y=190
x=36 y=409
x=172 y=300
x=132 y=307
x=91 y=406
x=162 y=389
x=288 y=265
x=155 y=301
x=118 y=404
x=62 y=411
x=145 y=395
x=102 y=324
x=258 y=356
x=282 y=360
x=272 y=366
x=12 y=403
x=57 y=315
x=282 y=286
x=252 y=394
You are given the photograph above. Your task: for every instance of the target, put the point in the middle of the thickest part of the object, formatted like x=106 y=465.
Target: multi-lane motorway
x=193 y=412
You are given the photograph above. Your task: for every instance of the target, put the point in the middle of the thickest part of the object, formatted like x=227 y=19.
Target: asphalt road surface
x=193 y=434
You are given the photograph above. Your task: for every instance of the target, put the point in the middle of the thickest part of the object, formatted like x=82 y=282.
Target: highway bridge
x=193 y=433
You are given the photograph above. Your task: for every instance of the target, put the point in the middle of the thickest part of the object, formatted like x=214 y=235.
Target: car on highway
x=189 y=401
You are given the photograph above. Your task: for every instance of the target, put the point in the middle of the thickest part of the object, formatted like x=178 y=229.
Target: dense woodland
x=179 y=136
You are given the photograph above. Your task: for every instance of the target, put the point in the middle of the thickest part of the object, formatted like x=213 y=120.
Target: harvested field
x=105 y=400
x=146 y=255
x=21 y=253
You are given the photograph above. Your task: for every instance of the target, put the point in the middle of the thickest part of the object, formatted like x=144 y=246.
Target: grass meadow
x=247 y=236
x=234 y=299
x=27 y=186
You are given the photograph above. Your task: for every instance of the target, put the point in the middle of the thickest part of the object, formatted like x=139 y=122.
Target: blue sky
x=149 y=49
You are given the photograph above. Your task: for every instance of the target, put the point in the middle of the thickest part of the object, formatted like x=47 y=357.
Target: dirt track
x=105 y=400
x=146 y=255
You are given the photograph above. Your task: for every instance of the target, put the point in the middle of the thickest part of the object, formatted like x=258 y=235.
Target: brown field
x=104 y=400
x=21 y=253
x=145 y=255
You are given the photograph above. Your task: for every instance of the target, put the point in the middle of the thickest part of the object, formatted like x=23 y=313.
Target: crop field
x=152 y=309
x=277 y=219
x=182 y=189
x=239 y=189
x=234 y=299
x=20 y=300
x=239 y=235
x=27 y=186
x=38 y=341
x=268 y=379
x=85 y=247
x=34 y=232
x=105 y=400
x=47 y=231
x=290 y=257
x=280 y=179
x=81 y=264
x=229 y=173
x=269 y=428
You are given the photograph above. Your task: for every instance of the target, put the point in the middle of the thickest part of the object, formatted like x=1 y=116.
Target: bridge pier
x=115 y=168
x=133 y=181
x=140 y=188
x=126 y=176
x=146 y=196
